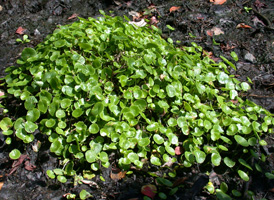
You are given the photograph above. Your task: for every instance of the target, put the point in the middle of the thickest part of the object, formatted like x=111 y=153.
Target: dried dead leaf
x=153 y=20
x=116 y=174
x=134 y=14
x=218 y=2
x=179 y=181
x=178 y=150
x=256 y=21
x=29 y=166
x=174 y=8
x=259 y=4
x=73 y=16
x=1 y=185
x=214 y=31
x=118 y=3
x=243 y=25
x=169 y=163
x=217 y=31
x=209 y=33
x=90 y=183
x=149 y=190
x=271 y=190
x=140 y=23
x=20 y=30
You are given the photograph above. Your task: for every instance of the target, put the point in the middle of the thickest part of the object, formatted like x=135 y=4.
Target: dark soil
x=254 y=46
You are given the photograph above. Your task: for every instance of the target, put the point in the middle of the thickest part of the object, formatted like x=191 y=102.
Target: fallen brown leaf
x=209 y=33
x=259 y=4
x=214 y=31
x=178 y=150
x=243 y=25
x=149 y=190
x=140 y=23
x=153 y=20
x=73 y=16
x=179 y=181
x=174 y=8
x=116 y=174
x=218 y=2
x=20 y=30
x=1 y=185
x=271 y=190
x=29 y=166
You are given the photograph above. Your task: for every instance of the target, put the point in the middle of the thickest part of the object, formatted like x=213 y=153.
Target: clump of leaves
x=100 y=86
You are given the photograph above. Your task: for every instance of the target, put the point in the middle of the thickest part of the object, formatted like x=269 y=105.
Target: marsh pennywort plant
x=99 y=86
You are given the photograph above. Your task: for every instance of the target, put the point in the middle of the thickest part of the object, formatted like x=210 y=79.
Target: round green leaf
x=207 y=124
x=200 y=156
x=141 y=103
x=54 y=147
x=221 y=195
x=15 y=154
x=97 y=108
x=234 y=56
x=30 y=103
x=84 y=194
x=171 y=91
x=155 y=161
x=61 y=178
x=244 y=163
x=103 y=157
x=133 y=157
x=262 y=142
x=233 y=94
x=50 y=123
x=33 y=115
x=153 y=127
x=243 y=175
x=60 y=113
x=77 y=112
x=43 y=105
x=144 y=142
x=93 y=128
x=30 y=127
x=91 y=156
x=62 y=124
x=28 y=53
x=164 y=181
x=65 y=103
x=8 y=132
x=245 y=86
x=269 y=175
x=216 y=159
x=158 y=139
x=6 y=124
x=170 y=150
x=50 y=174
x=172 y=122
x=241 y=140
x=236 y=193
x=230 y=163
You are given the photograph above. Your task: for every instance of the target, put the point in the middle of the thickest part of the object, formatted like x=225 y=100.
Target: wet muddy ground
x=243 y=26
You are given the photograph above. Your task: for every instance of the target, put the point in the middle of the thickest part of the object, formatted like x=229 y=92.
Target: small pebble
x=249 y=57
x=1 y=8
x=36 y=32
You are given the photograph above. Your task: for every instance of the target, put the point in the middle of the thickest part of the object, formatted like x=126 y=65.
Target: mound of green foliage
x=103 y=86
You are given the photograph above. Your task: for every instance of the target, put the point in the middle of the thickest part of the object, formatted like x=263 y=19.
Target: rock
x=249 y=57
